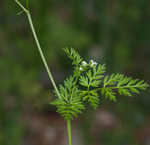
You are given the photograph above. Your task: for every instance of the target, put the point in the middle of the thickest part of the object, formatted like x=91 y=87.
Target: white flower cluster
x=85 y=64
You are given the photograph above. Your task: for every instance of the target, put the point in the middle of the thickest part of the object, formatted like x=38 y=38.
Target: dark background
x=116 y=32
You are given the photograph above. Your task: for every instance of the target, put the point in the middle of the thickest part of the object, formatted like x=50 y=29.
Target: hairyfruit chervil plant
x=88 y=81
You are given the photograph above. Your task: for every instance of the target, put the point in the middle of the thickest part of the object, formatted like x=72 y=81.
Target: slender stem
x=23 y=8
x=45 y=64
x=69 y=132
x=41 y=53
x=39 y=46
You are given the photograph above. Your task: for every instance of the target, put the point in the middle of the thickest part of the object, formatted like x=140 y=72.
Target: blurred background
x=116 y=32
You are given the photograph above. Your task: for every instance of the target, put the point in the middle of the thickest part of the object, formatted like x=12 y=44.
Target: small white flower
x=80 y=68
x=95 y=63
x=84 y=63
x=92 y=62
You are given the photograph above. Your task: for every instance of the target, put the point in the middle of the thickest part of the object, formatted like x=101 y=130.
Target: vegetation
x=88 y=80
x=83 y=86
x=115 y=33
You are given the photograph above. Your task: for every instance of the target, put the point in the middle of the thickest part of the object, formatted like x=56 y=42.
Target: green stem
x=41 y=54
x=69 y=132
x=23 y=8
x=39 y=46
x=45 y=63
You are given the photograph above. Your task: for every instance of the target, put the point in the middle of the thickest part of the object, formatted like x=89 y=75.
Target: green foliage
x=55 y=32
x=73 y=55
x=86 y=85
x=91 y=97
x=92 y=79
x=70 y=104
x=124 y=85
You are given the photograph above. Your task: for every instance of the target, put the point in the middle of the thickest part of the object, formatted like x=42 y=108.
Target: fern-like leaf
x=93 y=77
x=69 y=109
x=91 y=97
x=124 y=85
x=73 y=55
x=70 y=104
x=109 y=93
x=96 y=77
